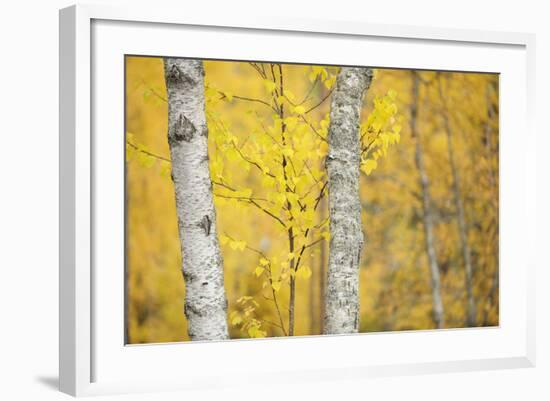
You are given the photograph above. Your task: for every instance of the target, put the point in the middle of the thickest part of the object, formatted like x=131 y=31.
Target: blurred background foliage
x=395 y=289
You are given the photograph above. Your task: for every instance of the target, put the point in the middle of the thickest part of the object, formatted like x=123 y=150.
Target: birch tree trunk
x=435 y=279
x=205 y=301
x=346 y=234
x=462 y=224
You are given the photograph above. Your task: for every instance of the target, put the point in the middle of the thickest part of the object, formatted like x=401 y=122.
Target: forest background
x=454 y=109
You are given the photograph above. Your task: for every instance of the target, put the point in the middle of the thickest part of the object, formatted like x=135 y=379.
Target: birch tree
x=435 y=279
x=205 y=300
x=343 y=163
x=461 y=216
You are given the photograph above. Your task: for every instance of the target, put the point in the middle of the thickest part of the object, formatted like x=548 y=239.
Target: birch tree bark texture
x=346 y=234
x=435 y=279
x=202 y=264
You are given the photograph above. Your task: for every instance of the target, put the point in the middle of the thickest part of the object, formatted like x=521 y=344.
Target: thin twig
x=320 y=102
x=248 y=99
x=153 y=91
x=147 y=152
x=253 y=202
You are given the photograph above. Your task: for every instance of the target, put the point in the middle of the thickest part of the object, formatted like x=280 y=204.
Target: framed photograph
x=258 y=199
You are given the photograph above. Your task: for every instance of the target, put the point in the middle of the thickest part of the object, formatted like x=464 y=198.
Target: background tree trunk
x=492 y=148
x=437 y=302
x=471 y=315
x=205 y=300
x=346 y=234
x=313 y=308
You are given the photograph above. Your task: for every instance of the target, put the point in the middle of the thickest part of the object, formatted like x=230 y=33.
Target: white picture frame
x=93 y=360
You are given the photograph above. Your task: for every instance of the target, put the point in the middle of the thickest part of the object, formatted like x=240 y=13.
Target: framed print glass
x=363 y=189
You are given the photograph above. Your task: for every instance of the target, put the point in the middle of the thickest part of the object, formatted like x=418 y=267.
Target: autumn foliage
x=268 y=126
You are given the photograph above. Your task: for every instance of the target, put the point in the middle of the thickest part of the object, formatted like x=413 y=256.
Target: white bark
x=435 y=280
x=346 y=242
x=205 y=300
x=471 y=314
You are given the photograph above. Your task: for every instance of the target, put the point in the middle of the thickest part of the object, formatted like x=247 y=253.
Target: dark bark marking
x=184 y=130
x=205 y=224
x=176 y=76
x=189 y=308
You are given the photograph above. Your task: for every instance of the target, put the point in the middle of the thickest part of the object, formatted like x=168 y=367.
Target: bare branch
x=147 y=152
x=320 y=102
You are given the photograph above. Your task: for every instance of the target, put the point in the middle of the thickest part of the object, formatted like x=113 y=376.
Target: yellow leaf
x=276 y=285
x=299 y=110
x=268 y=182
x=237 y=245
x=165 y=169
x=281 y=198
x=290 y=123
x=264 y=262
x=323 y=148
x=224 y=239
x=255 y=332
x=330 y=82
x=244 y=298
x=288 y=152
x=269 y=85
x=304 y=272
x=259 y=271
x=325 y=123
x=232 y=154
x=368 y=166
